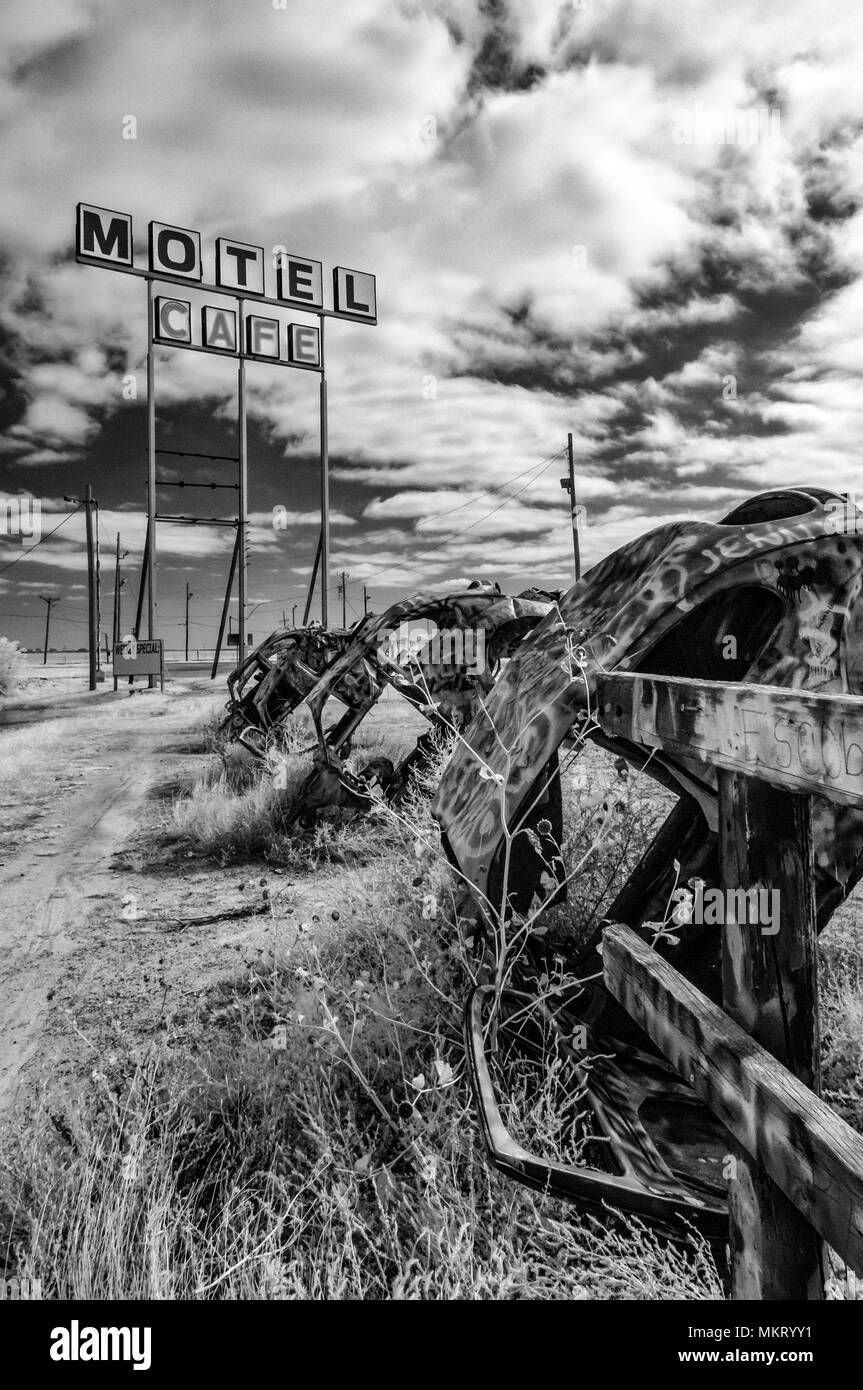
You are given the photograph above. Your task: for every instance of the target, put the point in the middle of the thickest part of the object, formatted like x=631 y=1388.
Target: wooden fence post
x=770 y=987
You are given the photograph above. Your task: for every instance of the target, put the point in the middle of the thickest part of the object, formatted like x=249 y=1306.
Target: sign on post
x=139 y=657
x=175 y=256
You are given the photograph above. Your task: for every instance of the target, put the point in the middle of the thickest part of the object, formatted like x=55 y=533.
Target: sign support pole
x=313 y=580
x=103 y=237
x=92 y=619
x=325 y=487
x=226 y=605
x=241 y=497
x=151 y=474
x=573 y=512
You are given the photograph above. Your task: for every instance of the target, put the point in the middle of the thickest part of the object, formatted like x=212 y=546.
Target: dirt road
x=90 y=950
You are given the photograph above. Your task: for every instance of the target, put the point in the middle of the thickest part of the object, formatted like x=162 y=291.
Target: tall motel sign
x=104 y=238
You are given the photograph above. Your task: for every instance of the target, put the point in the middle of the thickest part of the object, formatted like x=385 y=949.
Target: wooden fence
x=797 y=1167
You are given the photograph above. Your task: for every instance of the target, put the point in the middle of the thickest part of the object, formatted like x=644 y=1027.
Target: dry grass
x=26 y=752
x=235 y=811
x=320 y=1141
x=12 y=667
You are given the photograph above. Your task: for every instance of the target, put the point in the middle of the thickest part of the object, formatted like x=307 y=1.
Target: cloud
x=551 y=260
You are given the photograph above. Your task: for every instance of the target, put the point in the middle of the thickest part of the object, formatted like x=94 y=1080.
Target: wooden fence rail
x=790 y=738
x=798 y=1167
x=803 y=1145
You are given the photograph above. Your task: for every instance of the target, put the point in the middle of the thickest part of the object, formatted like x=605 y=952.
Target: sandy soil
x=94 y=945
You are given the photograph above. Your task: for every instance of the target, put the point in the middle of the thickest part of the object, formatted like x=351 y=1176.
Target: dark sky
x=633 y=220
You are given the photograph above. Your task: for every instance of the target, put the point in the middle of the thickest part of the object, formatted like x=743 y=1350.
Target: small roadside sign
x=139 y=657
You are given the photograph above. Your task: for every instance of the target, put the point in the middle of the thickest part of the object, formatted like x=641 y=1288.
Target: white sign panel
x=304 y=346
x=299 y=281
x=354 y=294
x=239 y=266
x=219 y=329
x=262 y=337
x=103 y=236
x=175 y=251
x=136 y=657
x=172 y=320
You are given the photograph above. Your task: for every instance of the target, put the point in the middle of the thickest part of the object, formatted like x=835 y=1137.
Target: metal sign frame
x=105 y=238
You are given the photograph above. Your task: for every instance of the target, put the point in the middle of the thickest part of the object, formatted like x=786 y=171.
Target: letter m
x=104 y=235
x=115 y=1343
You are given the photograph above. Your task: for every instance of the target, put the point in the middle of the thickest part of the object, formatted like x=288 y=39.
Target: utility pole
x=242 y=491
x=49 y=601
x=365 y=602
x=343 y=590
x=188 y=596
x=150 y=554
x=92 y=595
x=293 y=615
x=117 y=626
x=99 y=674
x=568 y=485
x=312 y=581
x=324 y=544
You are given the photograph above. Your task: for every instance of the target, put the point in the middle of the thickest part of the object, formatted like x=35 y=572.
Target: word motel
x=175 y=255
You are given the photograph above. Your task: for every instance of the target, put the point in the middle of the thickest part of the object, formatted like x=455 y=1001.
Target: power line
x=490 y=491
x=537 y=469
x=30 y=548
x=444 y=540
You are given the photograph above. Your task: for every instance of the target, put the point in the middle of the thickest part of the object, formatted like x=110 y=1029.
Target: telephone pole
x=92 y=594
x=117 y=625
x=293 y=615
x=343 y=590
x=49 y=601
x=188 y=596
x=568 y=485
x=365 y=602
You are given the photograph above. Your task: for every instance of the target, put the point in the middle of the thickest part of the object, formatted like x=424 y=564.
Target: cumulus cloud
x=552 y=258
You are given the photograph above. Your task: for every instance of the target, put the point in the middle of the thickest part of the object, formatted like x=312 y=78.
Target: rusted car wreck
x=313 y=665
x=769 y=595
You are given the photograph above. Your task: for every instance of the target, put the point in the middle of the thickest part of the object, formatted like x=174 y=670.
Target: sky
x=635 y=221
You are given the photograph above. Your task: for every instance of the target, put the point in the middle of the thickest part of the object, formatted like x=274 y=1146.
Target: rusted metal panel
x=770 y=987
x=791 y=738
x=617 y=615
x=646 y=1185
x=809 y=1151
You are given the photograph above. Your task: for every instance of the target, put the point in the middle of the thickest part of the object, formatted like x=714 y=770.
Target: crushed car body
x=769 y=595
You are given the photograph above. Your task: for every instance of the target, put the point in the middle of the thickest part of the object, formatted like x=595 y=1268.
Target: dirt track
x=89 y=945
